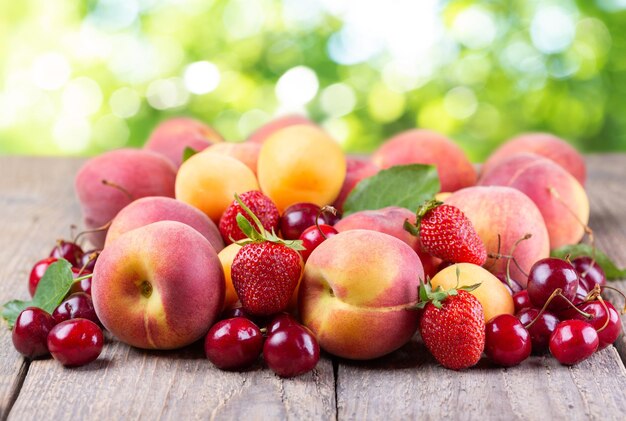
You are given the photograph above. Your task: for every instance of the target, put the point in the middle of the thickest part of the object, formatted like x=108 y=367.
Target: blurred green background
x=81 y=77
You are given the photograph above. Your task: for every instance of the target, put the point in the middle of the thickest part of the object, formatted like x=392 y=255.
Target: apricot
x=209 y=181
x=226 y=256
x=301 y=164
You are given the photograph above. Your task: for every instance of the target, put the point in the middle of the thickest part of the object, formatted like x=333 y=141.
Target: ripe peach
x=226 y=256
x=420 y=146
x=390 y=221
x=138 y=173
x=152 y=293
x=209 y=181
x=561 y=199
x=248 y=153
x=152 y=209
x=491 y=293
x=357 y=169
x=171 y=137
x=509 y=214
x=546 y=145
x=354 y=293
x=301 y=164
x=265 y=131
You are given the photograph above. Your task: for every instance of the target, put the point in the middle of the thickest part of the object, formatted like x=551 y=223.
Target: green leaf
x=406 y=186
x=52 y=288
x=188 y=153
x=611 y=270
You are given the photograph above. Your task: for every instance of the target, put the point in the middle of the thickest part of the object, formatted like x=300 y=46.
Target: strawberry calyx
x=258 y=233
x=421 y=212
x=439 y=295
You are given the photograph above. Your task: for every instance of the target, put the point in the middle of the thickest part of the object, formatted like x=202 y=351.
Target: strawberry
x=452 y=326
x=266 y=270
x=261 y=205
x=445 y=232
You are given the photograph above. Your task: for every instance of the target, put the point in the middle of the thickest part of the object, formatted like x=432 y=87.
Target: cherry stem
x=98 y=229
x=556 y=293
x=323 y=210
x=92 y=256
x=80 y=278
x=508 y=263
x=619 y=292
x=118 y=187
x=608 y=314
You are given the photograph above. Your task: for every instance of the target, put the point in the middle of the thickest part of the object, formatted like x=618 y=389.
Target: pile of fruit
x=281 y=245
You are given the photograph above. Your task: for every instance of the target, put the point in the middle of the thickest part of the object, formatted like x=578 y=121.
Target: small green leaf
x=406 y=186
x=611 y=270
x=12 y=309
x=188 y=153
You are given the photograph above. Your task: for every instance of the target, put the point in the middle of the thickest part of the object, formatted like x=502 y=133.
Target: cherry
x=37 y=273
x=84 y=285
x=296 y=218
x=521 y=301
x=291 y=351
x=233 y=344
x=75 y=342
x=281 y=321
x=510 y=285
x=229 y=313
x=573 y=341
x=68 y=251
x=590 y=272
x=30 y=332
x=88 y=260
x=507 y=342
x=606 y=334
x=77 y=305
x=314 y=236
x=541 y=330
x=548 y=274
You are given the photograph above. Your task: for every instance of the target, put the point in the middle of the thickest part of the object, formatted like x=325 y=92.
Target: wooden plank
x=36 y=208
x=409 y=384
x=37 y=198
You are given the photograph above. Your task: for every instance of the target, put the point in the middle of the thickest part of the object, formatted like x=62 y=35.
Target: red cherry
x=291 y=351
x=88 y=260
x=68 y=251
x=298 y=217
x=84 y=285
x=313 y=237
x=541 y=330
x=233 y=344
x=75 y=342
x=77 y=305
x=521 y=301
x=573 y=341
x=281 y=321
x=37 y=273
x=507 y=342
x=545 y=276
x=613 y=327
x=590 y=272
x=30 y=333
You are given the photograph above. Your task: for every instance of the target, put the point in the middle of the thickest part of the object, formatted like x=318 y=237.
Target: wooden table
x=37 y=206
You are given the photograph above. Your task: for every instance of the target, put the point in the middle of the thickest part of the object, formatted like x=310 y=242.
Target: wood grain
x=37 y=206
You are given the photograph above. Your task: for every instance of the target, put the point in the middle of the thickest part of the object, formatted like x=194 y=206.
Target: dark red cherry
x=30 y=332
x=298 y=217
x=233 y=344
x=609 y=325
x=510 y=285
x=590 y=272
x=229 y=313
x=68 y=251
x=75 y=342
x=507 y=342
x=281 y=321
x=313 y=237
x=84 y=285
x=88 y=260
x=77 y=305
x=541 y=330
x=37 y=273
x=521 y=301
x=573 y=341
x=548 y=274
x=291 y=351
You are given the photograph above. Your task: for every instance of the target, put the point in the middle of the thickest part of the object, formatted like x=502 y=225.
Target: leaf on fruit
x=611 y=270
x=407 y=186
x=52 y=288
x=188 y=153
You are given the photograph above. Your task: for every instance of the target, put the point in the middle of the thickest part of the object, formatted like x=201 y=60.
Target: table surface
x=37 y=206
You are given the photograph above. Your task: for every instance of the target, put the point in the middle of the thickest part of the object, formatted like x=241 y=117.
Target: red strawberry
x=445 y=232
x=267 y=269
x=452 y=326
x=261 y=205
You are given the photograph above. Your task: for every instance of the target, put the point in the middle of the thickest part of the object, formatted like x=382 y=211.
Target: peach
x=560 y=198
x=226 y=256
x=152 y=209
x=137 y=173
x=355 y=292
x=357 y=169
x=390 y=221
x=492 y=294
x=418 y=146
x=546 y=145
x=268 y=129
x=171 y=137
x=209 y=181
x=301 y=164
x=152 y=293
x=509 y=214
x=248 y=153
